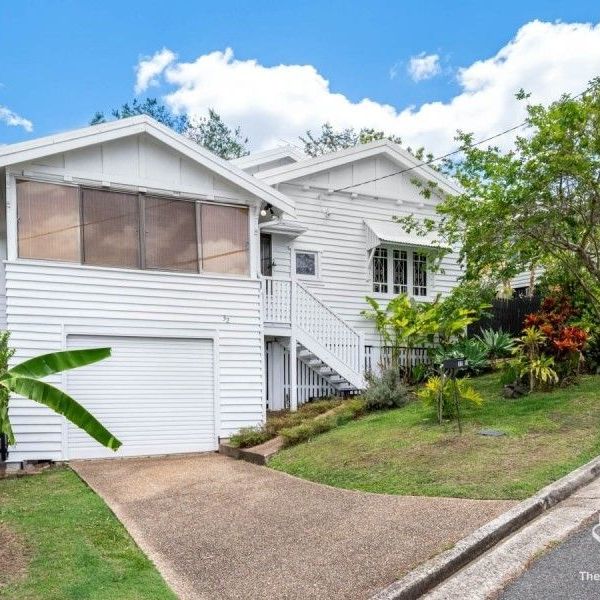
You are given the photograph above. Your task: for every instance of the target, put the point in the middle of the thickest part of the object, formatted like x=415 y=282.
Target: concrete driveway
x=223 y=529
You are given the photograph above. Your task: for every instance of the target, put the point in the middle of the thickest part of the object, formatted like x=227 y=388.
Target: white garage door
x=155 y=394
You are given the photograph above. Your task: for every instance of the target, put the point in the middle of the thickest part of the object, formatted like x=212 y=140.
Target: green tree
x=151 y=107
x=536 y=205
x=330 y=140
x=24 y=379
x=210 y=132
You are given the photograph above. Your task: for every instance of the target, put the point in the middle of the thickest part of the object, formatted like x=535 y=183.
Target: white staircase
x=323 y=340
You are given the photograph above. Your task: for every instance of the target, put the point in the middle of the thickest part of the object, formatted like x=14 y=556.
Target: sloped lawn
x=405 y=451
x=63 y=543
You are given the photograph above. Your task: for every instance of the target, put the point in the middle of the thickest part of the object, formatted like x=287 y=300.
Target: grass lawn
x=66 y=544
x=404 y=451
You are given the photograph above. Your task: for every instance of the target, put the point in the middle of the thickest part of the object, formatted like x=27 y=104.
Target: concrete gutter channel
x=433 y=572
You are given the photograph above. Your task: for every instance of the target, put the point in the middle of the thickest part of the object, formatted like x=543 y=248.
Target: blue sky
x=63 y=60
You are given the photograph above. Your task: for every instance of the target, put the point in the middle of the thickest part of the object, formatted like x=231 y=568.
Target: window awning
x=389 y=232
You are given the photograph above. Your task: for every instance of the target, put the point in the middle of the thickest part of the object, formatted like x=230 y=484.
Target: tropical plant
x=385 y=391
x=530 y=361
x=446 y=395
x=564 y=340
x=24 y=379
x=405 y=324
x=474 y=351
x=499 y=344
x=541 y=370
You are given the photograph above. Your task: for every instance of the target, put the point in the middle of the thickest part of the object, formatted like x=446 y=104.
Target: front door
x=266 y=255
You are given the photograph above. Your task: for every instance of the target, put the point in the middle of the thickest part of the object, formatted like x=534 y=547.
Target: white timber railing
x=277 y=300
x=289 y=302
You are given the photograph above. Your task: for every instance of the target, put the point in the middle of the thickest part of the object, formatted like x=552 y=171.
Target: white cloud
x=424 y=66
x=14 y=120
x=149 y=68
x=280 y=102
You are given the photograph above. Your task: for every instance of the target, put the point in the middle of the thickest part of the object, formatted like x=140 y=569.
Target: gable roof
x=395 y=153
x=106 y=132
x=260 y=158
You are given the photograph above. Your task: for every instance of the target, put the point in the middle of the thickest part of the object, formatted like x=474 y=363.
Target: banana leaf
x=62 y=403
x=55 y=362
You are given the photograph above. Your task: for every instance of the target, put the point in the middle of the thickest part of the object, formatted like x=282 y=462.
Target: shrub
x=385 y=391
x=530 y=360
x=439 y=394
x=280 y=420
x=562 y=340
x=498 y=344
x=592 y=353
x=470 y=348
x=343 y=413
x=250 y=436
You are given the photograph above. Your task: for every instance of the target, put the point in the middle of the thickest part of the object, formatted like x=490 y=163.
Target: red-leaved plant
x=564 y=342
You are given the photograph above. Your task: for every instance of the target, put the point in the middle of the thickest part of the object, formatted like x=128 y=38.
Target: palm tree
x=24 y=379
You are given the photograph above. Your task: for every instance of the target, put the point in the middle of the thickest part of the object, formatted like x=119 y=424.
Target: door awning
x=389 y=232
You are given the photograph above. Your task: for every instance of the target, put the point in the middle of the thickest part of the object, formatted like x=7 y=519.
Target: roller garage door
x=155 y=394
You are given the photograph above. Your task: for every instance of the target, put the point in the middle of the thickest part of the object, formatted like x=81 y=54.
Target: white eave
x=259 y=158
x=390 y=232
x=404 y=160
x=106 y=132
x=286 y=227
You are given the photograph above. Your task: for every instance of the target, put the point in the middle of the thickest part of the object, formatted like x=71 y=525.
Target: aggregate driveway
x=218 y=528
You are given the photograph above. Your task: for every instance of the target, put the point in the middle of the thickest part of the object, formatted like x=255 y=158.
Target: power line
x=443 y=156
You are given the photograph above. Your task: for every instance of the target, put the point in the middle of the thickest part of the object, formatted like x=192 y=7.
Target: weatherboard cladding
x=341 y=239
x=47 y=300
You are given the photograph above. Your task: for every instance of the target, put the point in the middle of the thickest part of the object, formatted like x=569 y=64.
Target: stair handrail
x=352 y=359
x=330 y=310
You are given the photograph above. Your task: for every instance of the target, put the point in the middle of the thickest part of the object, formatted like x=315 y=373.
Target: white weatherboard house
x=223 y=288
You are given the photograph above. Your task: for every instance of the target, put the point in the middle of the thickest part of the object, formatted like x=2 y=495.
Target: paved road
x=570 y=571
x=218 y=528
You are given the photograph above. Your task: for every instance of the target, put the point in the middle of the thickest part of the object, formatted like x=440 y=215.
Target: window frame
x=198 y=202
x=410 y=266
x=304 y=276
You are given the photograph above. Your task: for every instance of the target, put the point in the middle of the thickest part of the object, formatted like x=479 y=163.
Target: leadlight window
x=400 y=271
x=419 y=274
x=306 y=263
x=380 y=270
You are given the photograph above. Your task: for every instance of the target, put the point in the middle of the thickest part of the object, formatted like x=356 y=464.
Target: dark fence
x=507 y=315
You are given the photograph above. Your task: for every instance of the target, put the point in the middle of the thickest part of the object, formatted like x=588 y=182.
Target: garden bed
x=404 y=451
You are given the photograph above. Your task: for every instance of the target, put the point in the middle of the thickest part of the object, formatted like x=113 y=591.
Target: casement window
x=380 y=270
x=136 y=231
x=307 y=264
x=399 y=271
x=419 y=274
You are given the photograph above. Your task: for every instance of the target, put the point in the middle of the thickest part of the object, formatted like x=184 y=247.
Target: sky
x=420 y=70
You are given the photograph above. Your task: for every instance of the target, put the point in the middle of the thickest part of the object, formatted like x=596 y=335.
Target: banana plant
x=25 y=379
